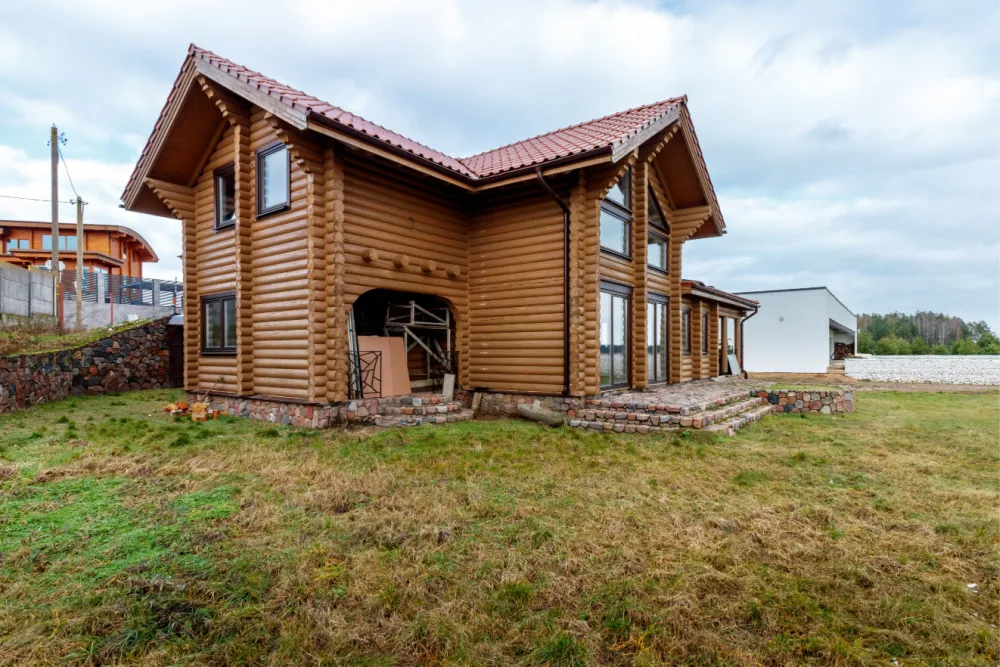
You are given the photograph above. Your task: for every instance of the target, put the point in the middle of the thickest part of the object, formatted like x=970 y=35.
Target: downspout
x=756 y=309
x=565 y=207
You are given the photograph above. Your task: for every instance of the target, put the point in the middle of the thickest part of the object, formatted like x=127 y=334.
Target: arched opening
x=401 y=342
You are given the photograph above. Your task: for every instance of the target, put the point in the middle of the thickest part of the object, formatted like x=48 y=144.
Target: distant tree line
x=924 y=333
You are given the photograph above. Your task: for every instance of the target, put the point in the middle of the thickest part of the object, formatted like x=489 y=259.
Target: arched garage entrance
x=414 y=337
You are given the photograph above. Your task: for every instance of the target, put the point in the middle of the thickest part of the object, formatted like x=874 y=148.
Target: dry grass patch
x=847 y=539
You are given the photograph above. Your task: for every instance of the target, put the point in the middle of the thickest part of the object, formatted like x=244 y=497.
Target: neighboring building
x=109 y=249
x=551 y=266
x=798 y=331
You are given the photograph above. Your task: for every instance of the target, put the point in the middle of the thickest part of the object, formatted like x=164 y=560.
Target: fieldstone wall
x=505 y=405
x=943 y=369
x=124 y=361
x=825 y=402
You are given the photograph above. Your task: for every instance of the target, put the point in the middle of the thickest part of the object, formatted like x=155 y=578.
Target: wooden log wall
x=181 y=202
x=516 y=295
x=392 y=215
x=214 y=266
x=696 y=348
x=280 y=300
x=336 y=305
x=579 y=343
x=713 y=339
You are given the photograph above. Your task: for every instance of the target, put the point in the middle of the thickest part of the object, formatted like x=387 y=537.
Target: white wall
x=789 y=334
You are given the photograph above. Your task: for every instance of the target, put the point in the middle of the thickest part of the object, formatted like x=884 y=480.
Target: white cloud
x=851 y=142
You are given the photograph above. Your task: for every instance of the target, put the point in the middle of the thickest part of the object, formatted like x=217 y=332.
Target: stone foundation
x=825 y=402
x=430 y=409
x=505 y=404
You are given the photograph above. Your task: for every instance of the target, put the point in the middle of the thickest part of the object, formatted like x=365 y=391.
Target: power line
x=66 y=167
x=34 y=199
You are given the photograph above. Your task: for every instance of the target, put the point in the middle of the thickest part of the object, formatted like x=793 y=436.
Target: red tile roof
x=600 y=133
x=580 y=138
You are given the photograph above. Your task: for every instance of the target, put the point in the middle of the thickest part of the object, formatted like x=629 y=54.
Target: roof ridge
x=682 y=98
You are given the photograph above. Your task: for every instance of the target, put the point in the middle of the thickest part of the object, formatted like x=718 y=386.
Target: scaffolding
x=419 y=325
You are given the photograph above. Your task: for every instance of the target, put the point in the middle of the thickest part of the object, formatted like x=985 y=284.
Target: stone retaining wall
x=127 y=360
x=825 y=402
x=943 y=369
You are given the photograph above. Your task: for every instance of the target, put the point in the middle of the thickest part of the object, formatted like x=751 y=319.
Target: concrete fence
x=104 y=307
x=25 y=294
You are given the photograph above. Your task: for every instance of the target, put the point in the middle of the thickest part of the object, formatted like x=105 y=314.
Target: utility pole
x=54 y=144
x=79 y=262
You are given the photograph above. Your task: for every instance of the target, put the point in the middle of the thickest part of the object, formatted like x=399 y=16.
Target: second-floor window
x=656 y=254
x=225 y=197
x=273 y=185
x=65 y=242
x=616 y=217
x=20 y=244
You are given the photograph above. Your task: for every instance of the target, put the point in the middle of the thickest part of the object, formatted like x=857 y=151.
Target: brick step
x=461 y=415
x=733 y=424
x=660 y=418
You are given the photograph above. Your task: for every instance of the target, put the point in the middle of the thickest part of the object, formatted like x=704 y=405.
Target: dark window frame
x=664 y=301
x=219 y=174
x=622 y=292
x=665 y=228
x=221 y=350
x=686 y=331
x=623 y=213
x=618 y=213
x=259 y=160
x=704 y=332
x=655 y=231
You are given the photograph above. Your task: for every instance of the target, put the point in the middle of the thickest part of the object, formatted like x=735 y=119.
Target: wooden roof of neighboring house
x=700 y=289
x=146 y=250
x=611 y=137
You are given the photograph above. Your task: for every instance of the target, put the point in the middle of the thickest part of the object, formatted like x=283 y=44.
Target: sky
x=852 y=144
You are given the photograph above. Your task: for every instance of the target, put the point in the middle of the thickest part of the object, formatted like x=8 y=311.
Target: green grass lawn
x=129 y=536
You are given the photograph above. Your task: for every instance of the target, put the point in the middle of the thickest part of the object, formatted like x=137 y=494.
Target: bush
x=939 y=349
x=904 y=347
x=866 y=344
x=919 y=346
x=965 y=346
x=887 y=345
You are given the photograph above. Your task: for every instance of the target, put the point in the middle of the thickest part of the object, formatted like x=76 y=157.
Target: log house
x=557 y=260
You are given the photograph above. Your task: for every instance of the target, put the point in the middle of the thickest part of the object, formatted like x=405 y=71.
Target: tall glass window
x=614 y=339
x=272 y=179
x=656 y=341
x=616 y=217
x=225 y=197
x=656 y=255
x=686 y=331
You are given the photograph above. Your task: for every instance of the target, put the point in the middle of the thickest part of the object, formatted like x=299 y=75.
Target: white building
x=797 y=331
